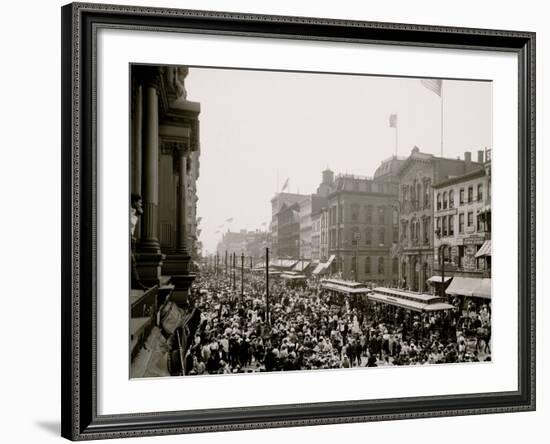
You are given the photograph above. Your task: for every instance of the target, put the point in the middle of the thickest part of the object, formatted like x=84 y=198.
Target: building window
x=470 y=219
x=470 y=194
x=355 y=236
x=395 y=235
x=382 y=215
x=480 y=192
x=451 y=199
x=438 y=225
x=381 y=236
x=426 y=194
x=445 y=200
x=368 y=214
x=439 y=201
x=426 y=230
x=368 y=236
x=480 y=223
x=354 y=213
x=462 y=196
x=380 y=265
x=367 y=265
x=395 y=217
x=395 y=265
x=444 y=224
x=451 y=225
x=461 y=223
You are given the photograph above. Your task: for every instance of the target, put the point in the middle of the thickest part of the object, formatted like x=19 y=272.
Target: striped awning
x=485 y=249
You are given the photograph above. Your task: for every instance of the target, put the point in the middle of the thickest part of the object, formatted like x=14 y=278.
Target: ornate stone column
x=149 y=258
x=181 y=207
x=178 y=264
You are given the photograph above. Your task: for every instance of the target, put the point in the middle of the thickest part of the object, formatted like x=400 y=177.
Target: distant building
x=277 y=203
x=232 y=242
x=417 y=175
x=308 y=206
x=288 y=231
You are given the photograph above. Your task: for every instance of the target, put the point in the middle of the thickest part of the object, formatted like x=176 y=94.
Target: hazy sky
x=260 y=127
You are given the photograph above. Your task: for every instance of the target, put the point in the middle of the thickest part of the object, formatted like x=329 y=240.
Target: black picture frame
x=79 y=391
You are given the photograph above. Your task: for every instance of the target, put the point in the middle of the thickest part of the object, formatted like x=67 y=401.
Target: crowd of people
x=309 y=328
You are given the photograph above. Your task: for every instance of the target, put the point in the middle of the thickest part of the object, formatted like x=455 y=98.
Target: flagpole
x=396 y=134
x=441 y=96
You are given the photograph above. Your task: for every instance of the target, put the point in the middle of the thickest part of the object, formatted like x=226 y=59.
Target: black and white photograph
x=286 y=220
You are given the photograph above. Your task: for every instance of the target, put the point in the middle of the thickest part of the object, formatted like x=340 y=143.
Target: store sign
x=474 y=240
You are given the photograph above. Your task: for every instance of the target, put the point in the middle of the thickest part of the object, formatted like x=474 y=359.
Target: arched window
x=439 y=201
x=445 y=200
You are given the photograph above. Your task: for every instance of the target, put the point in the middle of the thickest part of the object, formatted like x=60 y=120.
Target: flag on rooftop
x=285 y=185
x=229 y=220
x=433 y=85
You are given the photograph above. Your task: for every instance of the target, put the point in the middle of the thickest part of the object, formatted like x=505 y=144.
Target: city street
x=311 y=329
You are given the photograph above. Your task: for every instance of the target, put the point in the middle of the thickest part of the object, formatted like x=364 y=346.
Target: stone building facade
x=462 y=210
x=164 y=168
x=362 y=227
x=417 y=176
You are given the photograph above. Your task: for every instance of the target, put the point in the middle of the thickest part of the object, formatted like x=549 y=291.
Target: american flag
x=393 y=120
x=433 y=85
x=285 y=185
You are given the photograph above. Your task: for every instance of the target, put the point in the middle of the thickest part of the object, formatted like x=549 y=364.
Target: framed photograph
x=275 y=221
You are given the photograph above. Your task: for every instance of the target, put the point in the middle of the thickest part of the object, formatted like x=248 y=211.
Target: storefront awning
x=320 y=268
x=301 y=266
x=324 y=266
x=293 y=277
x=437 y=279
x=483 y=290
x=476 y=287
x=485 y=249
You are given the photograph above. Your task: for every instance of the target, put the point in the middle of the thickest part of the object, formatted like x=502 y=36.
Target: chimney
x=479 y=156
x=467 y=160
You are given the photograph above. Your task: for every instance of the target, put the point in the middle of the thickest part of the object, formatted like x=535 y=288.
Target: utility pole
x=242 y=275
x=267 y=317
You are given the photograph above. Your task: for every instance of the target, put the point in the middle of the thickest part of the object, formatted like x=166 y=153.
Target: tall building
x=278 y=202
x=309 y=206
x=288 y=231
x=164 y=167
x=417 y=175
x=462 y=210
x=362 y=225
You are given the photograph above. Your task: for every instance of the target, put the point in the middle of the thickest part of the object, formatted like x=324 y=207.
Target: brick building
x=419 y=172
x=462 y=210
